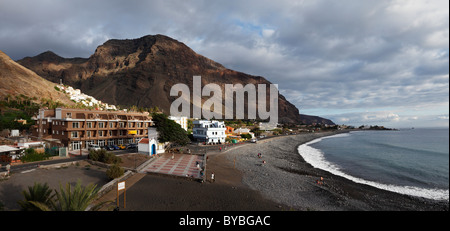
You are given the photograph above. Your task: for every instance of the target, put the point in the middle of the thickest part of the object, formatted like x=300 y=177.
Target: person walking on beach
x=212 y=177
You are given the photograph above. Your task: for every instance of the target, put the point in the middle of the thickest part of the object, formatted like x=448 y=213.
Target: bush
x=110 y=158
x=95 y=155
x=31 y=155
x=103 y=156
x=114 y=171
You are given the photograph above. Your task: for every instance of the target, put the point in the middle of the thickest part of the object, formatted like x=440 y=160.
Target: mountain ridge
x=142 y=71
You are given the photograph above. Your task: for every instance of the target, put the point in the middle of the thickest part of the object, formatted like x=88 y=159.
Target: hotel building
x=78 y=128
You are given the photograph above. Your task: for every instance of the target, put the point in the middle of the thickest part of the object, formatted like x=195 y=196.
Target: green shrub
x=110 y=158
x=31 y=155
x=114 y=171
x=104 y=157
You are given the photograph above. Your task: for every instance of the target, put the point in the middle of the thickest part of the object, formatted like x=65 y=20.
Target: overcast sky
x=355 y=62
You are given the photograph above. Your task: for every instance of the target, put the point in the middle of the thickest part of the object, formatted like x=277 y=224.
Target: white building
x=151 y=145
x=182 y=121
x=209 y=131
x=241 y=131
x=267 y=126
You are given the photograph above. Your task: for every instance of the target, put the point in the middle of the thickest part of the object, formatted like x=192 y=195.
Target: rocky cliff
x=142 y=71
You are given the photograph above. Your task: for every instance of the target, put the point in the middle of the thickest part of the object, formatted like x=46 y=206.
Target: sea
x=407 y=161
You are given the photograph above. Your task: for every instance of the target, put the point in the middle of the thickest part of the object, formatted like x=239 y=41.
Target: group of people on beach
x=264 y=161
x=320 y=181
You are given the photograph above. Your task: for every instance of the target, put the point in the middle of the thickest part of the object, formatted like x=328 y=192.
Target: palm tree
x=37 y=198
x=76 y=198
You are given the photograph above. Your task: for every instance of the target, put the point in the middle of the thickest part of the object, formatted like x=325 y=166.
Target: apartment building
x=181 y=120
x=209 y=131
x=78 y=128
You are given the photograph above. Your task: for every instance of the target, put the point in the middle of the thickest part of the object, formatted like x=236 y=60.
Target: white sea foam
x=316 y=158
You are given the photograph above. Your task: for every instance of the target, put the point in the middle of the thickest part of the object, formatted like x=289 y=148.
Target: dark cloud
x=326 y=56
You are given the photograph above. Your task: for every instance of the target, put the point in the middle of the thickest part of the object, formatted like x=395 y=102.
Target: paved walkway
x=181 y=165
x=111 y=196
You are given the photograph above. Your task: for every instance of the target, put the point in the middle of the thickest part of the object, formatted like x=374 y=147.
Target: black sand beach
x=287 y=179
x=243 y=183
x=284 y=183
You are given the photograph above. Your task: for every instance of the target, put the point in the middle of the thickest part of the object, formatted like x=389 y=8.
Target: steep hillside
x=142 y=71
x=16 y=80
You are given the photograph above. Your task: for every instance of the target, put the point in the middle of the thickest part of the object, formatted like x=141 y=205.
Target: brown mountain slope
x=142 y=71
x=16 y=79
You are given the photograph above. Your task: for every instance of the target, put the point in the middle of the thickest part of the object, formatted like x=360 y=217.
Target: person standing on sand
x=212 y=177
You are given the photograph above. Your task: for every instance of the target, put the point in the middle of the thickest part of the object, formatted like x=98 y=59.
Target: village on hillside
x=121 y=141
x=65 y=131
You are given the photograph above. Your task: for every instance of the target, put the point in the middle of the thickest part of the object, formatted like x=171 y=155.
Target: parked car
x=93 y=147
x=109 y=147
x=121 y=146
x=131 y=146
x=115 y=147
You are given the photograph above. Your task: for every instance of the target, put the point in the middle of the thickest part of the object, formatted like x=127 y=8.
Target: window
x=101 y=125
x=69 y=115
x=88 y=133
x=110 y=133
x=89 y=124
x=121 y=124
x=101 y=133
x=75 y=125
x=74 y=134
x=111 y=124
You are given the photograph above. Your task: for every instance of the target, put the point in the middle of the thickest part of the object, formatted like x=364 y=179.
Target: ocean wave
x=316 y=158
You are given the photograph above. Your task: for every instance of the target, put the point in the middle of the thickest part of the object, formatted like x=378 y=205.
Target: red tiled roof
x=144 y=141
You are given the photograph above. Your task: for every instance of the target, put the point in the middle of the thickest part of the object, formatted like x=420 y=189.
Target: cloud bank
x=330 y=58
